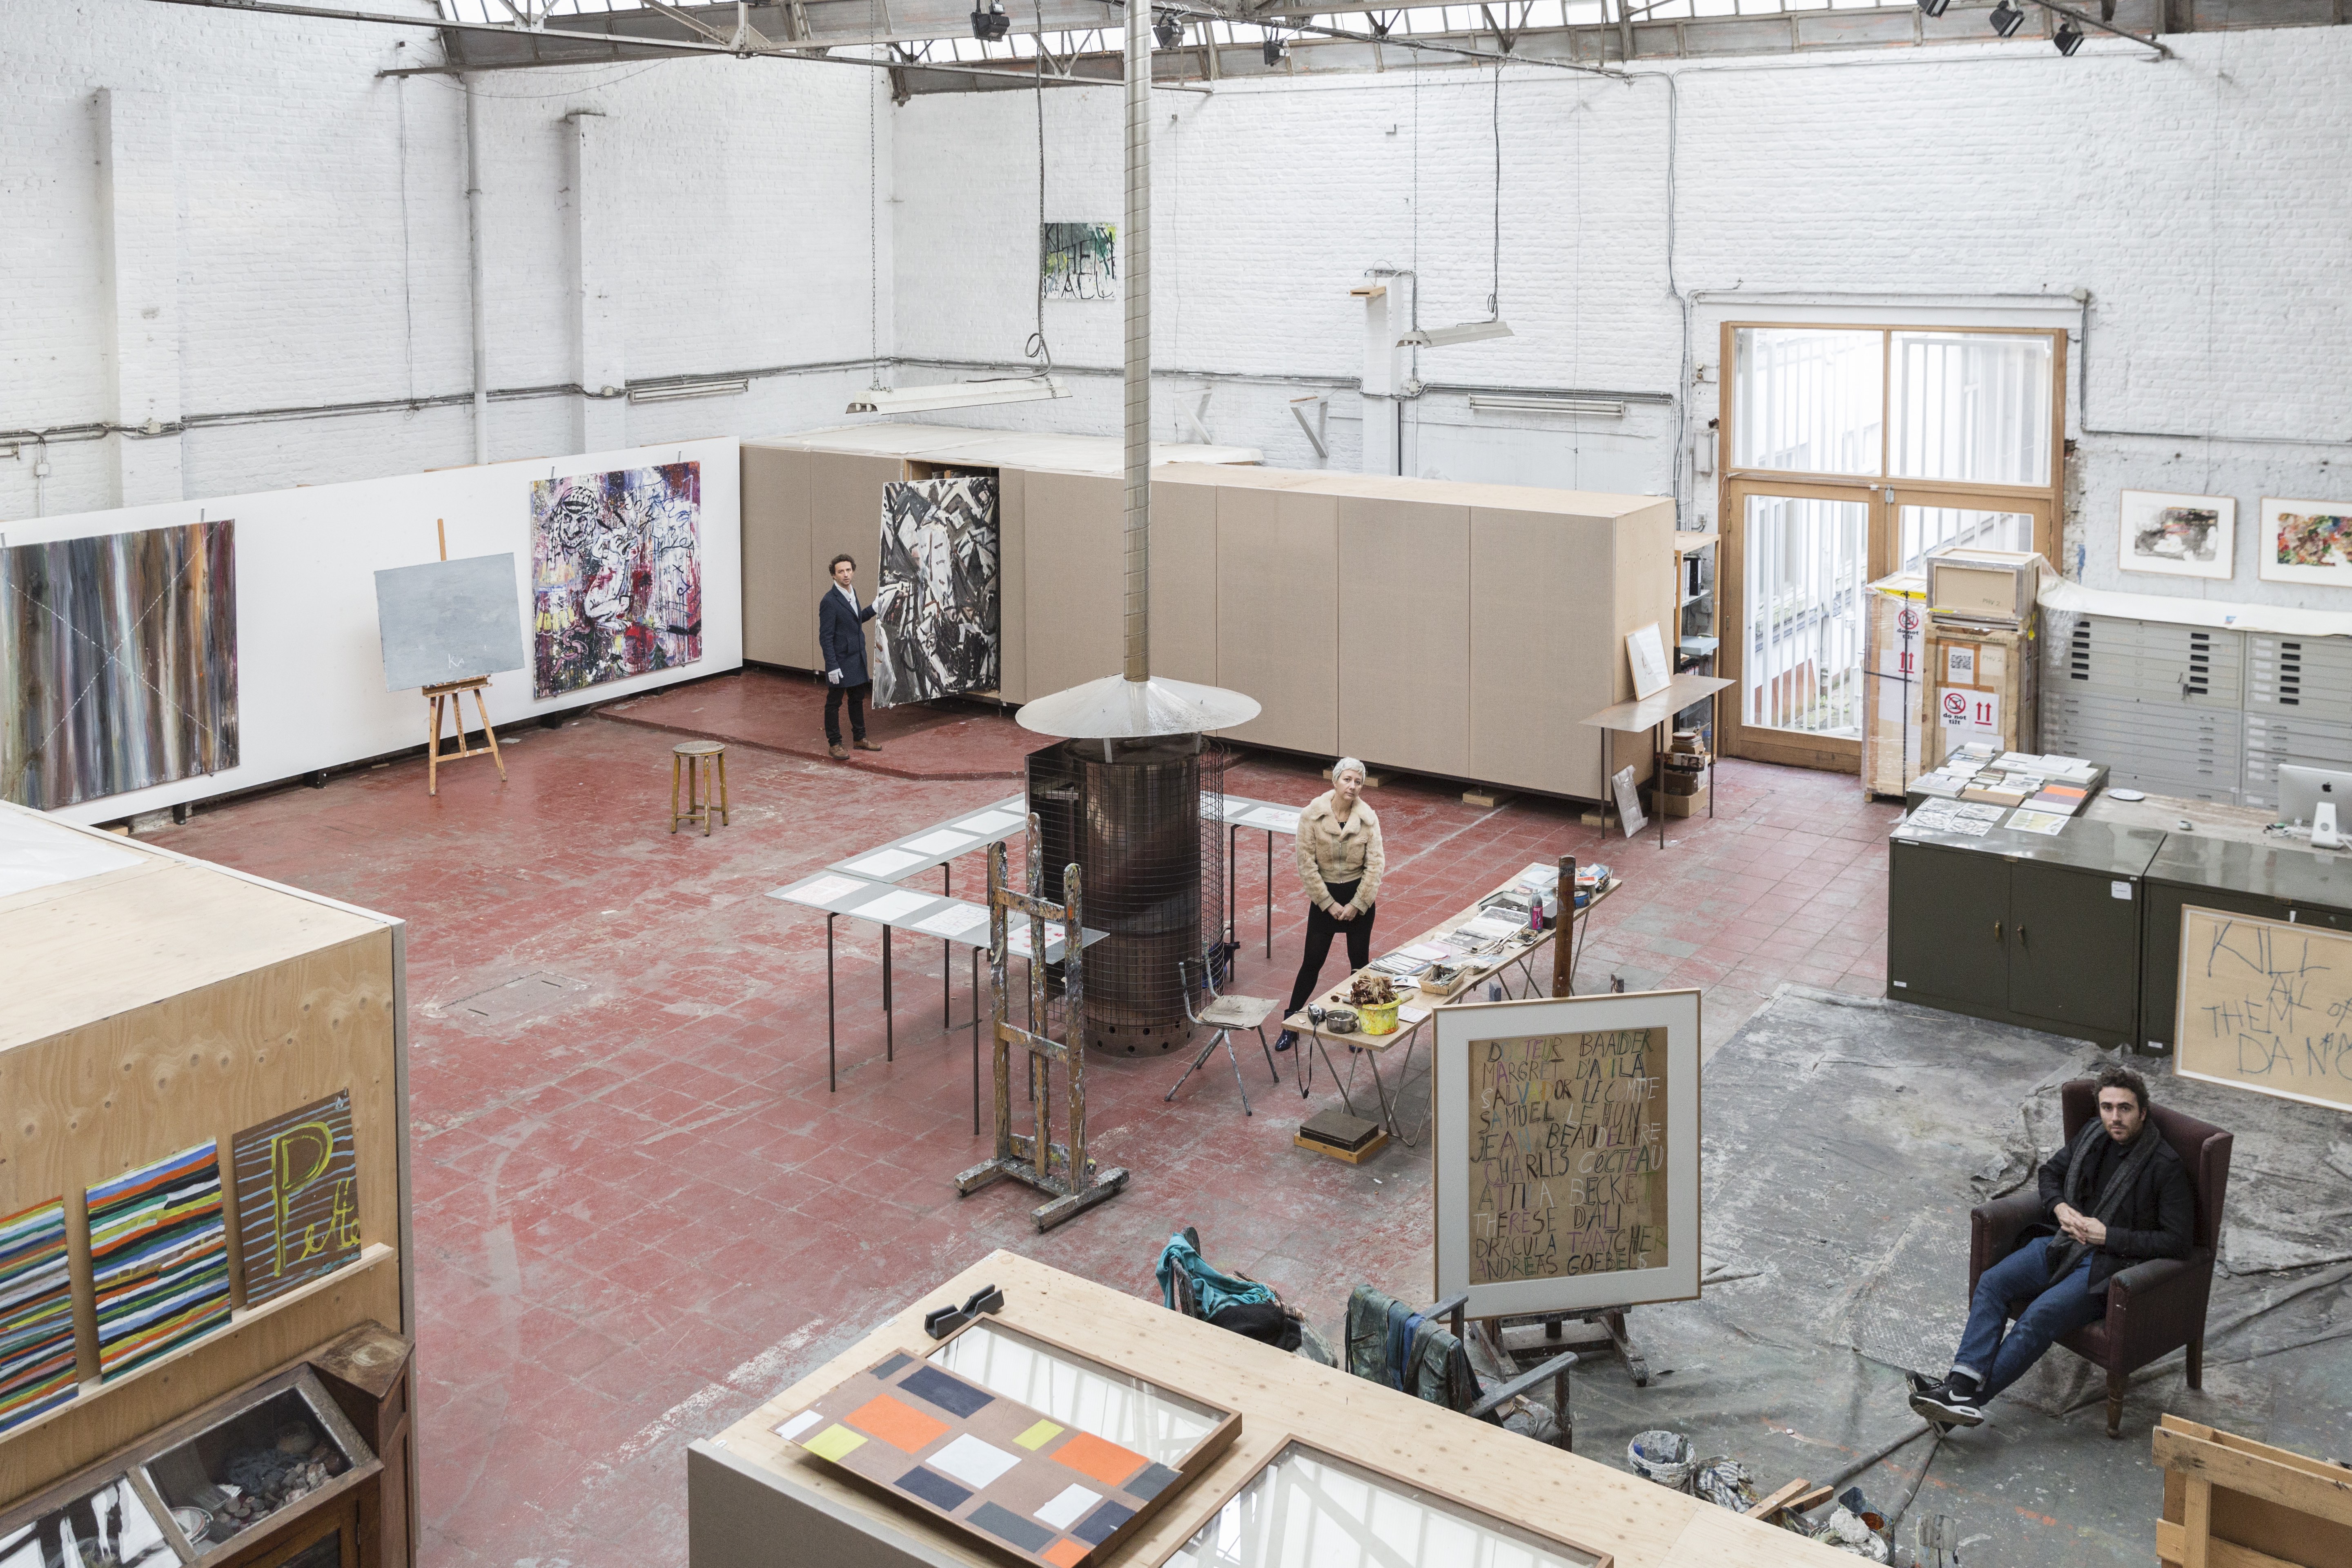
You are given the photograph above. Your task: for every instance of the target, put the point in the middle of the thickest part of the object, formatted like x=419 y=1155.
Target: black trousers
x=856 y=695
x=1320 y=929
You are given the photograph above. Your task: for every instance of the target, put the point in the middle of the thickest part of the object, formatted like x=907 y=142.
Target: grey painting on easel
x=448 y=620
x=938 y=633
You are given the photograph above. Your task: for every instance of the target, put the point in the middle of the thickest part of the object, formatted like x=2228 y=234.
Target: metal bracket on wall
x=1195 y=419
x=1317 y=433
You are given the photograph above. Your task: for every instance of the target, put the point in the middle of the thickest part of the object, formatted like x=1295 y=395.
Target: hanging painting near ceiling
x=117 y=662
x=616 y=575
x=1081 y=262
x=2180 y=536
x=939 y=632
x=2306 y=542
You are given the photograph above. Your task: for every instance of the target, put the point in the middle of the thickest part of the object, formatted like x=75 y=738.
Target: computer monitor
x=2301 y=789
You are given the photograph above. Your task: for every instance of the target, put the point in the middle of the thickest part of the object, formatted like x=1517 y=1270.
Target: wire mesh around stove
x=1129 y=813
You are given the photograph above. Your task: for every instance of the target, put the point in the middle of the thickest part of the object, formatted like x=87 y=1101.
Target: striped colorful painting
x=37 y=1330
x=616 y=575
x=159 y=1252
x=118 y=663
x=297 y=1199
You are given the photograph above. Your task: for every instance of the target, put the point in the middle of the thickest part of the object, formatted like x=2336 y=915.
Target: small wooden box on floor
x=755 y=1499
x=177 y=1002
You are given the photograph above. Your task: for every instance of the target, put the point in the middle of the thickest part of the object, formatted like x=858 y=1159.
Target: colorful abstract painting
x=159 y=1257
x=117 y=662
x=997 y=1470
x=2178 y=535
x=2306 y=542
x=1081 y=262
x=297 y=1205
x=616 y=575
x=939 y=548
x=37 y=1330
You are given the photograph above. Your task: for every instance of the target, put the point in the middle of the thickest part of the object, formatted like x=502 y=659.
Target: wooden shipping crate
x=1983 y=683
x=1895 y=631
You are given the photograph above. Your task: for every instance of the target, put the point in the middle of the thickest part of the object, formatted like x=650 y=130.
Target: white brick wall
x=321 y=242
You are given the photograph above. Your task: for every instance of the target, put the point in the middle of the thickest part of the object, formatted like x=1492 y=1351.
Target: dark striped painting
x=37 y=1330
x=298 y=1202
x=118 y=660
x=159 y=1255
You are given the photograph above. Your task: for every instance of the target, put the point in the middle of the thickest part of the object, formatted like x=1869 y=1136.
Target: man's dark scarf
x=2121 y=1177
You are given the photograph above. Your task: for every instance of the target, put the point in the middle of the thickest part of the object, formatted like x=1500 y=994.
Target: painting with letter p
x=1568 y=1151
x=298 y=1207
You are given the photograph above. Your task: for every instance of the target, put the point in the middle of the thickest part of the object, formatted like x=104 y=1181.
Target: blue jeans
x=1996 y=1360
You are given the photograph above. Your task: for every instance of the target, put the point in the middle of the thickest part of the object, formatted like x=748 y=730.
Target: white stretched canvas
x=2306 y=542
x=1646 y=651
x=2177 y=535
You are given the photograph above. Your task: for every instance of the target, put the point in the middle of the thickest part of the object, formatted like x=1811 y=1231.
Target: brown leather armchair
x=2154 y=1307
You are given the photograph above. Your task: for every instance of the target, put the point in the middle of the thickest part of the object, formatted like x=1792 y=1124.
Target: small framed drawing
x=2306 y=542
x=2178 y=536
x=1645 y=650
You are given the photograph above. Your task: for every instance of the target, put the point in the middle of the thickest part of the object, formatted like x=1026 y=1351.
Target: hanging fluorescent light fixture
x=1465 y=333
x=1602 y=407
x=957 y=395
x=678 y=388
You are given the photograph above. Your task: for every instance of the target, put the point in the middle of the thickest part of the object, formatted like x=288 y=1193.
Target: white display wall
x=310 y=682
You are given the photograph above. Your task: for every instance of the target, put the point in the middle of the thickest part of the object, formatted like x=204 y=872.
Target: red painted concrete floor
x=639 y=1213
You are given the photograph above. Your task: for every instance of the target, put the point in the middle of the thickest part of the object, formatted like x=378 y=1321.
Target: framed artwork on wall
x=2177 y=535
x=2306 y=542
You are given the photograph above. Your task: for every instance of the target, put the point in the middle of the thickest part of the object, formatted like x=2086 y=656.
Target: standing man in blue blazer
x=841 y=638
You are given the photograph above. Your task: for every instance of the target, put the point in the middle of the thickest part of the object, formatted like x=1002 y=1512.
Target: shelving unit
x=1695 y=618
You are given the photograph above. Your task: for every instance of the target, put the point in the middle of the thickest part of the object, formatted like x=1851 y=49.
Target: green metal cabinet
x=2279 y=882
x=2024 y=928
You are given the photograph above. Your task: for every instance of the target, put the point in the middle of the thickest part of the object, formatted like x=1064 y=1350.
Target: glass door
x=1797 y=621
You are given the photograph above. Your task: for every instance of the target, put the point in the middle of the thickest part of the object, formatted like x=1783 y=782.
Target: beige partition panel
x=1404 y=631
x=1012 y=586
x=1073 y=543
x=845 y=516
x=1184 y=578
x=1278 y=613
x=779 y=589
x=1540 y=647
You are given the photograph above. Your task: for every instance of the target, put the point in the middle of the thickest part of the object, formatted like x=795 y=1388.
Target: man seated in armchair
x=2118 y=1194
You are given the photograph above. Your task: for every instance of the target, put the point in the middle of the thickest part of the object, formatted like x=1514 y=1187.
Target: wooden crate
x=180 y=1003
x=1992 y=671
x=2232 y=1502
x=1895 y=630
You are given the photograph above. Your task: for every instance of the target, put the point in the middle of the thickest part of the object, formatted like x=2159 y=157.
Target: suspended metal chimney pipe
x=1139 y=340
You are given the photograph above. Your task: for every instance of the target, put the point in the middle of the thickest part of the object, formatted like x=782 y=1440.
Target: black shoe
x=1288 y=1038
x=1922 y=1383
x=1947 y=1407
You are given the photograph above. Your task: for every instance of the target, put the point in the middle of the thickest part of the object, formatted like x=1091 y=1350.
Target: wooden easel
x=1060 y=1169
x=449 y=691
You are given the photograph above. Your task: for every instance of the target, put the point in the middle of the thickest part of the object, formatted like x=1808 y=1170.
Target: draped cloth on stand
x=938 y=635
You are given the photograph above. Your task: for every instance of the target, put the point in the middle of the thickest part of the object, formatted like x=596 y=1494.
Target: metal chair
x=1224 y=1014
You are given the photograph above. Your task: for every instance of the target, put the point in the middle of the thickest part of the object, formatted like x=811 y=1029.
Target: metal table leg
x=975 y=1039
x=832 y=1078
x=1269 y=892
x=1658 y=775
x=889 y=1046
x=947 y=960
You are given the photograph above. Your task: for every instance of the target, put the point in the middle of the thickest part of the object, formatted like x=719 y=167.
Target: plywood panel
x=1184 y=579
x=1404 y=634
x=1580 y=1500
x=844 y=517
x=1544 y=648
x=1072 y=543
x=778 y=589
x=1012 y=591
x=1278 y=613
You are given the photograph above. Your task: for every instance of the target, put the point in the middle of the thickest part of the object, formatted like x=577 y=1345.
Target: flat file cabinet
x=2022 y=928
x=2213 y=867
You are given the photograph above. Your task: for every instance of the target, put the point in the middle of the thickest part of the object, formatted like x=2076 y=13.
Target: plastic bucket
x=1380 y=1017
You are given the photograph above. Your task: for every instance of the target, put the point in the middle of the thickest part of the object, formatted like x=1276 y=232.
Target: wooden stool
x=703 y=764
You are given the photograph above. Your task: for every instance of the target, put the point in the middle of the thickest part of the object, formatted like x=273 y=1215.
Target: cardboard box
x=1673 y=805
x=1983 y=683
x=1994 y=585
x=1895 y=630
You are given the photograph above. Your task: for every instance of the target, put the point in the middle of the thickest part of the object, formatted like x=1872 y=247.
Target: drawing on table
x=939 y=632
x=616 y=575
x=119 y=652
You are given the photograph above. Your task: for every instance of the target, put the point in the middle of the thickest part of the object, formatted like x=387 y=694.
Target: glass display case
x=1078 y=1393
x=239 y=1482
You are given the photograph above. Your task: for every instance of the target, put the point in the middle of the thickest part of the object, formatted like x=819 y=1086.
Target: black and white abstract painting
x=939 y=632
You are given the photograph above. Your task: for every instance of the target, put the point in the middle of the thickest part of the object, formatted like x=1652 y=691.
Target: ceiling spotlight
x=1275 y=49
x=2007 y=18
x=991 y=24
x=1169 y=28
x=1934 y=8
x=2068 y=37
